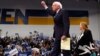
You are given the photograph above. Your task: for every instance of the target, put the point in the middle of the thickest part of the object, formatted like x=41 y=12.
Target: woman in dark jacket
x=84 y=41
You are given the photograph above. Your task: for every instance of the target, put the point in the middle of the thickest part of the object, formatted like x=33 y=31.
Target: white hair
x=36 y=50
x=58 y=3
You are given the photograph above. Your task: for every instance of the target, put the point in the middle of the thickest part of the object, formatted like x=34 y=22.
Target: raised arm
x=49 y=11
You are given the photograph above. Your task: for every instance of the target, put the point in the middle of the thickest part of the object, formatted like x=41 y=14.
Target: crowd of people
x=34 y=45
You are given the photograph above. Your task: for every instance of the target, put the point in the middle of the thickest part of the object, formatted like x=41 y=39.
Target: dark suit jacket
x=61 y=23
x=85 y=40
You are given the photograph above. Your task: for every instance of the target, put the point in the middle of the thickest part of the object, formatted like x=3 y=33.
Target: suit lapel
x=80 y=37
x=57 y=14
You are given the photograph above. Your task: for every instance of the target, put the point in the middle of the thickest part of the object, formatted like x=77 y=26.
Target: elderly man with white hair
x=61 y=25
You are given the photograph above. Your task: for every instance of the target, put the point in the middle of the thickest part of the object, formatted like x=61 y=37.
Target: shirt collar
x=58 y=10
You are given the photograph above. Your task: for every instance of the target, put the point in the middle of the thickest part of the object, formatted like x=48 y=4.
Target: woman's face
x=81 y=27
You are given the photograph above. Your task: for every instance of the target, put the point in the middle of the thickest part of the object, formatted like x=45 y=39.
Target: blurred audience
x=36 y=44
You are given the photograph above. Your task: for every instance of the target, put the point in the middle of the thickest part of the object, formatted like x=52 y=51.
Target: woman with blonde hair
x=84 y=41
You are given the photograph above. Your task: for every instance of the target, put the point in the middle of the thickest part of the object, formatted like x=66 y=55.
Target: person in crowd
x=1 y=50
x=35 y=34
x=46 y=48
x=35 y=52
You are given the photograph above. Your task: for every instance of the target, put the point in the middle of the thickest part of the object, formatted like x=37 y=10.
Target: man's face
x=55 y=7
